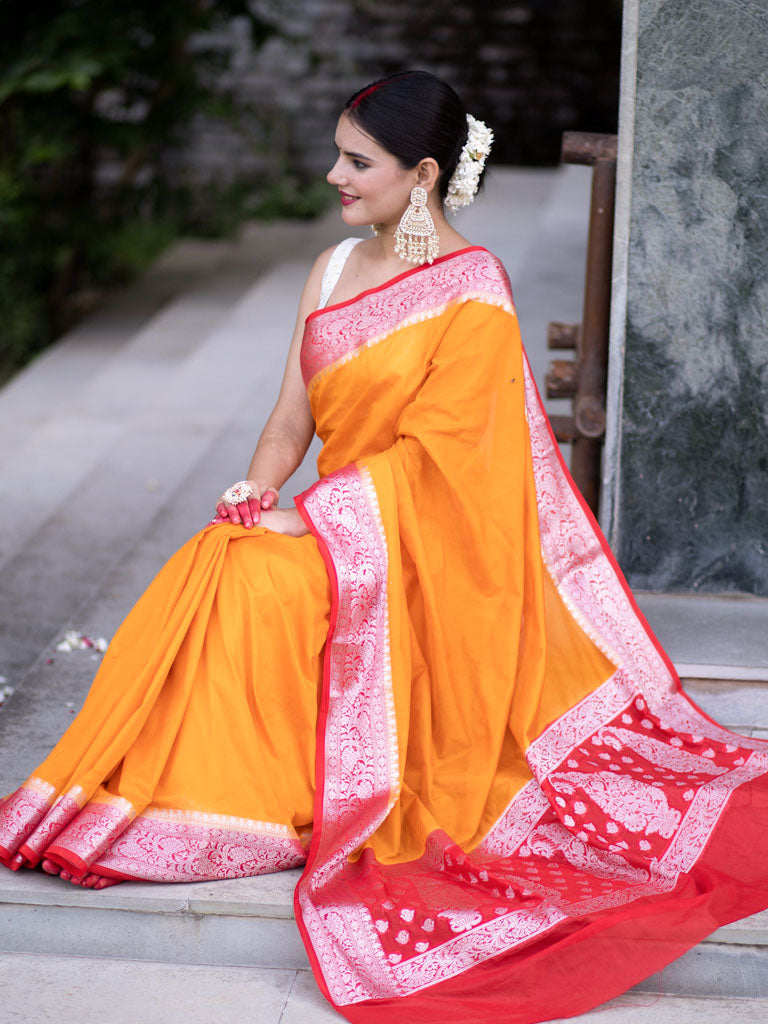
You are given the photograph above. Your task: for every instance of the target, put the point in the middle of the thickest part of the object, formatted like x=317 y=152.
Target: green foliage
x=92 y=95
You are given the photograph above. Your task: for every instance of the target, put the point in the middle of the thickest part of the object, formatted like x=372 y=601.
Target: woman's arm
x=287 y=433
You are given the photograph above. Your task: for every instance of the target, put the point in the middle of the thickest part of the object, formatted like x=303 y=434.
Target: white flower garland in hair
x=465 y=180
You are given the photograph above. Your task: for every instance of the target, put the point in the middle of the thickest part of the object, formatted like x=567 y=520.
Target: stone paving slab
x=78 y=990
x=67 y=545
x=743 y=706
x=74 y=990
x=707 y=629
x=269 y=895
x=167 y=936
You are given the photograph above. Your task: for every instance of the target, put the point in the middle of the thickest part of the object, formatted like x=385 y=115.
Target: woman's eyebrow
x=355 y=156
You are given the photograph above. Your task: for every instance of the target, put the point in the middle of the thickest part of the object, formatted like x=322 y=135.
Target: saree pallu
x=517 y=813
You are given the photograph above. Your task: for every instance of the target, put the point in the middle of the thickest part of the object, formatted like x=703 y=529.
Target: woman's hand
x=248 y=512
x=284 y=520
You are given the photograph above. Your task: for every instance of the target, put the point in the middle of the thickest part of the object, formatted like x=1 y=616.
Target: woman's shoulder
x=322 y=260
x=314 y=283
x=338 y=248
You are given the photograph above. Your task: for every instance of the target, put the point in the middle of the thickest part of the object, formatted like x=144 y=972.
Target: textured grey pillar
x=686 y=469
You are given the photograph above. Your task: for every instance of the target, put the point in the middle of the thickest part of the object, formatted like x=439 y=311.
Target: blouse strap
x=336 y=264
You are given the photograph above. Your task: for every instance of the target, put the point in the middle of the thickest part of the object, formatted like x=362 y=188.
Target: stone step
x=84 y=990
x=57 y=378
x=250 y=923
x=71 y=990
x=243 y=922
x=75 y=432
x=725 y=632
x=64 y=547
x=190 y=269
x=740 y=705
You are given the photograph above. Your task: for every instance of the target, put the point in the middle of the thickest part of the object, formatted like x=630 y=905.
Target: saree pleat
x=155 y=777
x=444 y=699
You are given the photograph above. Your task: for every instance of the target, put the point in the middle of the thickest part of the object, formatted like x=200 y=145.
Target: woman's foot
x=87 y=881
x=99 y=881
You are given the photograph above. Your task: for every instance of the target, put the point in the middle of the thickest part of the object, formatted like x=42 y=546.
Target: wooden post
x=586 y=379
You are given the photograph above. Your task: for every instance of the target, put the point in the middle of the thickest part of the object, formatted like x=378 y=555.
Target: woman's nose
x=334 y=177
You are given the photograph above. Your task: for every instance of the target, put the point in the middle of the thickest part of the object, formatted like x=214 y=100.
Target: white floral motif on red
x=64 y=810
x=361 y=750
x=95 y=828
x=622 y=768
x=174 y=847
x=22 y=812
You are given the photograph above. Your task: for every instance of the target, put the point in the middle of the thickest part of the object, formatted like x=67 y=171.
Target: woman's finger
x=234 y=515
x=269 y=498
x=245 y=514
x=255 y=510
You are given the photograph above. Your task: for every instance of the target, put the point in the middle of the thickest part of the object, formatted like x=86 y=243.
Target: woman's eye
x=359 y=165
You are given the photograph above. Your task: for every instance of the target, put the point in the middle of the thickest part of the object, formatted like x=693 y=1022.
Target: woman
x=428 y=680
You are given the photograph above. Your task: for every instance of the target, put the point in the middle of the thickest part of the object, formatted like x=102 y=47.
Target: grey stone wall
x=531 y=68
x=690 y=466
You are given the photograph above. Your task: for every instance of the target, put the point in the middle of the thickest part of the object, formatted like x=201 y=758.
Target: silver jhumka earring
x=416 y=240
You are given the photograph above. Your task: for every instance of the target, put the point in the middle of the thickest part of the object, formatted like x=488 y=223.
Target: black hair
x=413 y=115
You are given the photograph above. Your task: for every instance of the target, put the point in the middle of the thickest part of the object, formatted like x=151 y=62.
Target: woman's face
x=373 y=187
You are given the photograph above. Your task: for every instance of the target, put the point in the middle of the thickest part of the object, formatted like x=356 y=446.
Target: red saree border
x=22 y=812
x=472 y=274
x=63 y=811
x=357 y=751
x=565 y=508
x=159 y=845
x=394 y=280
x=91 y=832
x=190 y=846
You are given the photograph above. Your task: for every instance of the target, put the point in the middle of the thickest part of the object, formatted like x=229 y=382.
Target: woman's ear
x=428 y=173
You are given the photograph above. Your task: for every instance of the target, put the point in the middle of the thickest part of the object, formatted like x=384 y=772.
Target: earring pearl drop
x=416 y=240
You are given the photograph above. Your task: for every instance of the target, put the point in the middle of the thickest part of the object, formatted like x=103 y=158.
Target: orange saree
x=443 y=700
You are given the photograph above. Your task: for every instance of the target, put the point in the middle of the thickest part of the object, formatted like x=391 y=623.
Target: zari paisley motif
x=95 y=829
x=22 y=813
x=361 y=749
x=181 y=846
x=64 y=810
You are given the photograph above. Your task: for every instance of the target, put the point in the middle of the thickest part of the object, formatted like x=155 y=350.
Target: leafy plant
x=93 y=94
